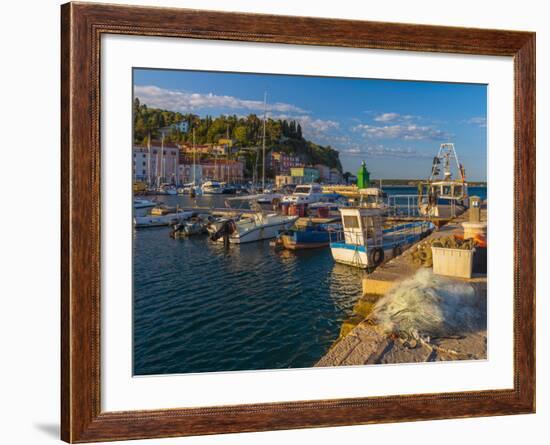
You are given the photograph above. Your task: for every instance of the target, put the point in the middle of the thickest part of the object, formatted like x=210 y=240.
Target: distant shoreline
x=414 y=182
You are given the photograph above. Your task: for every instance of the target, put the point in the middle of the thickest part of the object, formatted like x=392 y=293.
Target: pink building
x=157 y=164
x=222 y=170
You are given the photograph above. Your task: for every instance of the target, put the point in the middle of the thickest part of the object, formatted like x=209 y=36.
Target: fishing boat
x=140 y=203
x=311 y=236
x=304 y=194
x=364 y=243
x=167 y=219
x=212 y=188
x=444 y=197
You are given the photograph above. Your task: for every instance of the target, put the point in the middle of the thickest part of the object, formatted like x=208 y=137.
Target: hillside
x=281 y=135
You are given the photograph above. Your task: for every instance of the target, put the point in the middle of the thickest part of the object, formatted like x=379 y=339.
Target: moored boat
x=309 y=237
x=255 y=226
x=196 y=225
x=167 y=219
x=212 y=188
x=140 y=203
x=444 y=197
x=304 y=194
x=365 y=244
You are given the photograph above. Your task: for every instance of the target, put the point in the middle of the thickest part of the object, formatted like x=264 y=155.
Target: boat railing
x=400 y=234
x=405 y=205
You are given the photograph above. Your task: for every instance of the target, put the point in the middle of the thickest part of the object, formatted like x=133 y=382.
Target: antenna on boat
x=446 y=154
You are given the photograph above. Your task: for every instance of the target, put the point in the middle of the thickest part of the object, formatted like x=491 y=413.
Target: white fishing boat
x=141 y=203
x=444 y=197
x=212 y=188
x=167 y=219
x=304 y=194
x=364 y=243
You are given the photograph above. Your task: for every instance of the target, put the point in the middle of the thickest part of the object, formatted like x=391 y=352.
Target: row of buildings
x=167 y=162
x=308 y=175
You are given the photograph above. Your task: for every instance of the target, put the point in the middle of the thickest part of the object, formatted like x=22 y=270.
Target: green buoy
x=363 y=177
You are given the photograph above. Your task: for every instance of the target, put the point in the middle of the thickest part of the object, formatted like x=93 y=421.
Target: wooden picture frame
x=82 y=26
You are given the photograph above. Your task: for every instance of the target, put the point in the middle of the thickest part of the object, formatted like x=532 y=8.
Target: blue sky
x=396 y=127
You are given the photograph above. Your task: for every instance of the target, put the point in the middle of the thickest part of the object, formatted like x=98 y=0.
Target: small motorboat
x=163 y=209
x=140 y=203
x=168 y=219
x=196 y=225
x=212 y=188
x=304 y=194
x=309 y=237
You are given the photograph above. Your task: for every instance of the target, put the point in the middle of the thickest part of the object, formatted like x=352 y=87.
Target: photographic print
x=287 y=221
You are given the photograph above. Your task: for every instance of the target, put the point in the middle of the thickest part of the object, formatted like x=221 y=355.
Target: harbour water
x=201 y=308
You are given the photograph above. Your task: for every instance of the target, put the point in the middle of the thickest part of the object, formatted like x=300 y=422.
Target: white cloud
x=383 y=151
x=184 y=101
x=394 y=117
x=386 y=117
x=411 y=132
x=479 y=121
x=310 y=125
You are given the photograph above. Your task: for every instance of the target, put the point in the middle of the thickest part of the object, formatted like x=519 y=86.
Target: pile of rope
x=422 y=254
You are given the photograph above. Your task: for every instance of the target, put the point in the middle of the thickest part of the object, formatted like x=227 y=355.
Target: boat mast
x=149 y=159
x=157 y=169
x=163 y=160
x=194 y=165
x=175 y=170
x=263 y=143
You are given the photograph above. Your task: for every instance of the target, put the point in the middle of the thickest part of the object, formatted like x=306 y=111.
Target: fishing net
x=427 y=306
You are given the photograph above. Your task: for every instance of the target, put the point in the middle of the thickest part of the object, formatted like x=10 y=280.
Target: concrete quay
x=362 y=342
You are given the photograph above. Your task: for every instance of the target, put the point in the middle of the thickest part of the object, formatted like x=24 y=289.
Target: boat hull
x=305 y=239
x=260 y=233
x=161 y=220
x=349 y=254
x=392 y=245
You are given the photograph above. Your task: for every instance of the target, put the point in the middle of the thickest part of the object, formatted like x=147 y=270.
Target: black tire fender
x=376 y=256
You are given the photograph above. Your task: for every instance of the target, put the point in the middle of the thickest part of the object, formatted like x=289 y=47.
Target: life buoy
x=376 y=257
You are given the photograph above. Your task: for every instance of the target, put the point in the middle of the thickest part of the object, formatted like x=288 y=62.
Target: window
x=351 y=222
x=144 y=163
x=458 y=190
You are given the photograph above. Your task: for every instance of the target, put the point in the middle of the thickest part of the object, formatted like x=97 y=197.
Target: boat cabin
x=457 y=190
x=372 y=197
x=361 y=224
